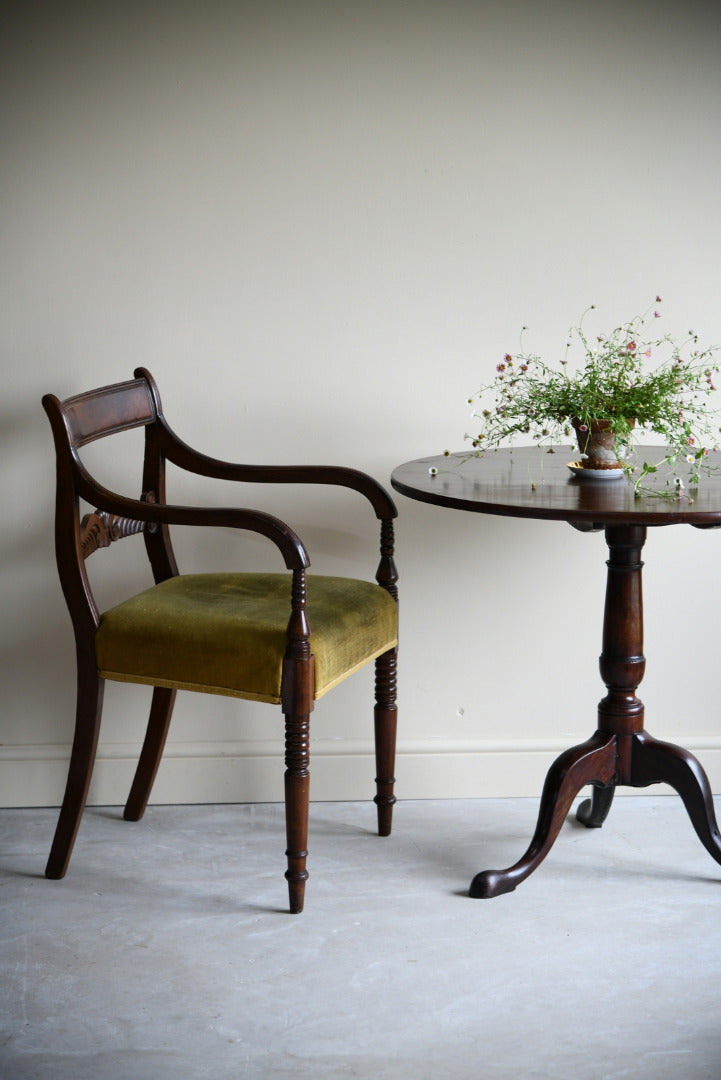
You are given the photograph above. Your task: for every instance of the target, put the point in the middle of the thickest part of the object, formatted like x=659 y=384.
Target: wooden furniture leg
x=593 y=812
x=621 y=751
x=385 y=717
x=297 y=696
x=161 y=711
x=85 y=742
x=594 y=760
x=654 y=762
x=297 y=806
x=606 y=758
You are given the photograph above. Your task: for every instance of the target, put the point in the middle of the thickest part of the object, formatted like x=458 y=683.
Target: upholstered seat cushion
x=226 y=633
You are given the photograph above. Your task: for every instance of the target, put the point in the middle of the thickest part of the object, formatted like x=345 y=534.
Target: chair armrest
x=186 y=457
x=285 y=539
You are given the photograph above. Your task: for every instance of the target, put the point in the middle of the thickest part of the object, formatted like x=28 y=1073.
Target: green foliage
x=638 y=383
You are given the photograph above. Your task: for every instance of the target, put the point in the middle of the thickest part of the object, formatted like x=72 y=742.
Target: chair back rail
x=108 y=410
x=76 y=421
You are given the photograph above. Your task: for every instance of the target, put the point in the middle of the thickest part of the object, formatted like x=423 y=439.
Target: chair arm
x=337 y=475
x=285 y=539
x=185 y=457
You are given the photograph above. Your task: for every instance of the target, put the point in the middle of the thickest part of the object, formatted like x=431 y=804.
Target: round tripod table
x=527 y=483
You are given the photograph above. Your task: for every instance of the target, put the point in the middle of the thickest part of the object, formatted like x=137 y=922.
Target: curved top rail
x=105 y=411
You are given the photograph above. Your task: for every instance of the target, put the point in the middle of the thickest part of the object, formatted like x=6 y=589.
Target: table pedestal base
x=595 y=762
x=621 y=751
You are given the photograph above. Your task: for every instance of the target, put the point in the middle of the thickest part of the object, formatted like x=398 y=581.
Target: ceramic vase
x=597 y=441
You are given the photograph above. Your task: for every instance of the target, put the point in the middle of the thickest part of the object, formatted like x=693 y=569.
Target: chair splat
x=99 y=529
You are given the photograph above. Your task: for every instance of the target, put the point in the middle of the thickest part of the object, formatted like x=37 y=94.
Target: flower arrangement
x=613 y=383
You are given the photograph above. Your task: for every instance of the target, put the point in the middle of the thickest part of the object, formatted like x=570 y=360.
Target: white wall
x=319 y=224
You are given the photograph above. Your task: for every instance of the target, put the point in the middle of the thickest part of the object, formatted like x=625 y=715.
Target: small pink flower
x=500 y=367
x=657 y=314
x=631 y=346
x=658 y=299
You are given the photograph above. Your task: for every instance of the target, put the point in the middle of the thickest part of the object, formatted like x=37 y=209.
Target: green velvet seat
x=285 y=638
x=226 y=633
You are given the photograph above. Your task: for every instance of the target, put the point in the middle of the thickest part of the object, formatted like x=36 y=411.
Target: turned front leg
x=385 y=722
x=297 y=805
x=298 y=694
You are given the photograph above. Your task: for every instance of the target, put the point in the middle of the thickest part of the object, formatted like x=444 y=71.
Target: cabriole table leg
x=594 y=760
x=593 y=812
x=621 y=751
x=657 y=762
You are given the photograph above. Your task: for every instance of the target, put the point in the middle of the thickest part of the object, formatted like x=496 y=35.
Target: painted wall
x=319 y=225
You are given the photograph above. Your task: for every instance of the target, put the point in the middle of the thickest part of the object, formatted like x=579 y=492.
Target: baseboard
x=340 y=770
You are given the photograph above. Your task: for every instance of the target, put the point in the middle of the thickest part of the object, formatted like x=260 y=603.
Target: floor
x=166 y=952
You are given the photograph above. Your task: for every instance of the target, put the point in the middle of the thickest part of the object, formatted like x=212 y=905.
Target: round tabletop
x=529 y=482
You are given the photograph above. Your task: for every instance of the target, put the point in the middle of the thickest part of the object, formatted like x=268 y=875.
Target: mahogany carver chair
x=284 y=638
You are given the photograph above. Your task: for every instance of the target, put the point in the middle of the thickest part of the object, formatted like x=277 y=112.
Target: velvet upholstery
x=226 y=633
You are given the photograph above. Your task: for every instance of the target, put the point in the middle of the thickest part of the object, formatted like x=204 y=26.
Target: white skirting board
x=242 y=772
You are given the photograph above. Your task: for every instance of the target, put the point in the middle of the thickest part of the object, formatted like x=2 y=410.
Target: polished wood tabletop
x=530 y=482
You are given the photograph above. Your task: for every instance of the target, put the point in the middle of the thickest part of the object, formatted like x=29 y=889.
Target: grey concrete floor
x=166 y=951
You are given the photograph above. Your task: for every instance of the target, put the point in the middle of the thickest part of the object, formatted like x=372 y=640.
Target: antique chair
x=284 y=638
